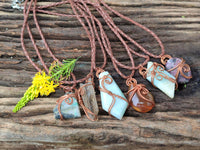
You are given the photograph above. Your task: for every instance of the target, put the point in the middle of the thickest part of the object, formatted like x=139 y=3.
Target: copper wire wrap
x=96 y=34
x=182 y=68
x=85 y=109
x=139 y=89
x=156 y=73
x=107 y=79
x=68 y=98
x=164 y=59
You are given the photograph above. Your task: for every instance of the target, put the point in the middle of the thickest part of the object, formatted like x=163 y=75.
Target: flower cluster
x=41 y=85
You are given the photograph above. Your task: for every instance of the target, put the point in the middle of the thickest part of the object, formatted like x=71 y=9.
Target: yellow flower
x=41 y=85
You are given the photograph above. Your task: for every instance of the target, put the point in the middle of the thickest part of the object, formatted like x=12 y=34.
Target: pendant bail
x=165 y=58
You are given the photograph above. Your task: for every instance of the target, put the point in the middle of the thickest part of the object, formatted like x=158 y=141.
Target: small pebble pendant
x=112 y=99
x=178 y=68
x=159 y=77
x=139 y=97
x=87 y=93
x=67 y=107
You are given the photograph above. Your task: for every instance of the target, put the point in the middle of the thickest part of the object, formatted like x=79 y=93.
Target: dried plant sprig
x=44 y=85
x=59 y=71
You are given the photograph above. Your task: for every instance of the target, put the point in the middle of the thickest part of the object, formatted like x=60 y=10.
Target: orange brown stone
x=138 y=103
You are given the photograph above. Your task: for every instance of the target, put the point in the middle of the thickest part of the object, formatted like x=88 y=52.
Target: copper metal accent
x=87 y=111
x=99 y=70
x=141 y=92
x=182 y=68
x=68 y=98
x=156 y=73
x=165 y=58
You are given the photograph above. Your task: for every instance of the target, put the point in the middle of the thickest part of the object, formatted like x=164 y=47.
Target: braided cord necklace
x=112 y=99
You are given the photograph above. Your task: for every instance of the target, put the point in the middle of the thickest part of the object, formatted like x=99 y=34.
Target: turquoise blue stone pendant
x=67 y=107
x=112 y=99
x=160 y=78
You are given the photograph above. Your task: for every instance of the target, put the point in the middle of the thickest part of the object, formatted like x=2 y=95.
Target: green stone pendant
x=67 y=107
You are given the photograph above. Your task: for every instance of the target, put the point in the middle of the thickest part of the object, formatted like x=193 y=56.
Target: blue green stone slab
x=68 y=111
x=165 y=85
x=120 y=105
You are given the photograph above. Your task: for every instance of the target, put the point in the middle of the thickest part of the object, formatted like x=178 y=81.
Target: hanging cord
x=95 y=32
x=69 y=97
x=108 y=48
x=105 y=41
x=82 y=4
x=26 y=14
x=140 y=26
x=25 y=24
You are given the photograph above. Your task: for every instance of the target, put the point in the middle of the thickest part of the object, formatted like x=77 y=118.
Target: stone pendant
x=139 y=97
x=113 y=100
x=67 y=107
x=160 y=78
x=89 y=98
x=178 y=68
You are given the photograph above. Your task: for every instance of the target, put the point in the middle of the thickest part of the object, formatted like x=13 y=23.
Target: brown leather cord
x=109 y=51
x=142 y=27
x=95 y=29
x=108 y=19
x=96 y=34
x=46 y=45
x=26 y=13
x=114 y=28
x=41 y=34
x=108 y=47
x=35 y=46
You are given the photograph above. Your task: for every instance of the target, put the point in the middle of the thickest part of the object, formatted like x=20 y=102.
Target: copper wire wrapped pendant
x=139 y=97
x=112 y=99
x=178 y=68
x=67 y=107
x=160 y=78
x=88 y=96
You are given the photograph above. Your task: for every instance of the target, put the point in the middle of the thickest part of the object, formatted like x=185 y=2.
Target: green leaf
x=59 y=71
